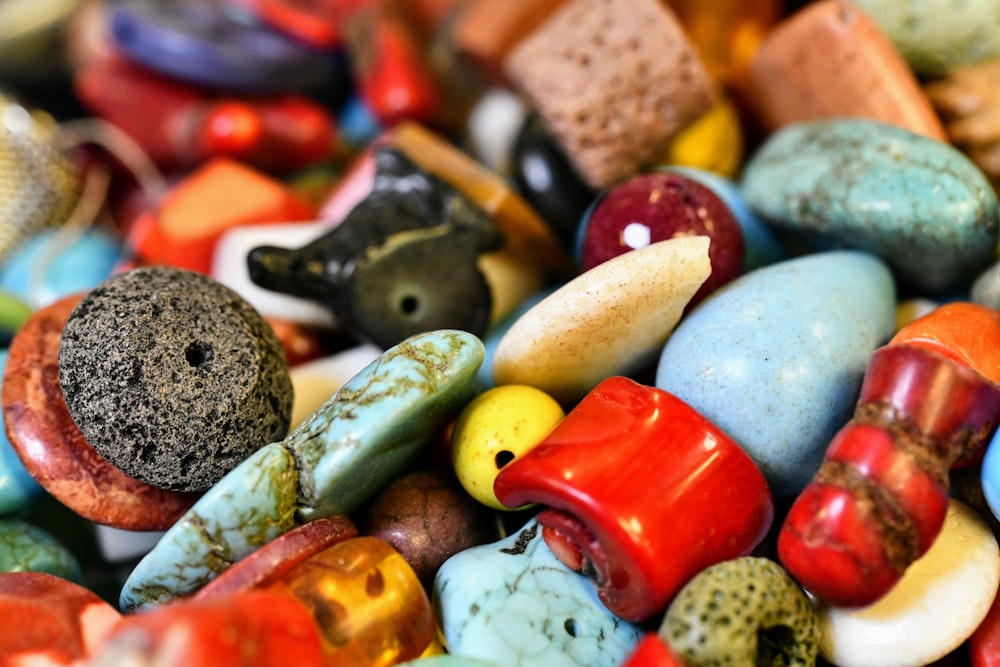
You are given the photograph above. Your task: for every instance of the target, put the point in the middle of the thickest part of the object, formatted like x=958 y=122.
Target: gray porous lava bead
x=745 y=612
x=173 y=377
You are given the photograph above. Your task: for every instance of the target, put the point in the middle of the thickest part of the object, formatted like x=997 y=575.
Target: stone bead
x=785 y=361
x=494 y=429
x=934 y=608
x=612 y=82
x=829 y=60
x=26 y=548
x=937 y=35
x=172 y=377
x=514 y=603
x=662 y=205
x=314 y=382
x=866 y=185
x=427 y=518
x=18 y=489
x=53 y=450
x=384 y=415
x=49 y=620
x=367 y=602
x=610 y=320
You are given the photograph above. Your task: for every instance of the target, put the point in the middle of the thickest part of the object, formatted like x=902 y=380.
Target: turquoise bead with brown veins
x=359 y=440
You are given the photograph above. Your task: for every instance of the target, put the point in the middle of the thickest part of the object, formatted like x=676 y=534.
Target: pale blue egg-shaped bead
x=990 y=474
x=919 y=204
x=449 y=661
x=27 y=548
x=18 y=489
x=936 y=35
x=776 y=358
x=514 y=603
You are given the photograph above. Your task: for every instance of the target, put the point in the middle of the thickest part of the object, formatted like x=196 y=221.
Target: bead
x=652 y=651
x=590 y=82
x=984 y=647
x=494 y=429
x=18 y=489
x=966 y=332
x=13 y=314
x=53 y=450
x=25 y=548
x=514 y=604
x=830 y=60
x=314 y=382
x=714 y=142
x=658 y=206
x=742 y=612
x=172 y=377
x=252 y=628
x=427 y=518
x=986 y=288
x=612 y=457
x=49 y=618
x=936 y=606
x=314 y=23
x=863 y=184
x=367 y=602
x=492 y=128
x=785 y=361
x=604 y=322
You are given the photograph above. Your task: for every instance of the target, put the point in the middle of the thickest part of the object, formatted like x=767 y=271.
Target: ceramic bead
x=862 y=184
x=610 y=320
x=367 y=601
x=785 y=363
x=614 y=455
x=427 y=518
x=935 y=607
x=494 y=429
x=513 y=603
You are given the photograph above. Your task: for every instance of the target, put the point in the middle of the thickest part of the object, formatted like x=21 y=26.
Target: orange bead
x=368 y=602
x=966 y=332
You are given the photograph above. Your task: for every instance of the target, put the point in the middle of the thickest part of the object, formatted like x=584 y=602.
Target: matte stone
x=173 y=377
x=26 y=548
x=53 y=450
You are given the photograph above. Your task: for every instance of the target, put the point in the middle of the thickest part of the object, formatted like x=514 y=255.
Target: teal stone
x=515 y=604
x=18 y=489
x=26 y=548
x=357 y=442
x=936 y=35
x=776 y=358
x=919 y=204
x=448 y=661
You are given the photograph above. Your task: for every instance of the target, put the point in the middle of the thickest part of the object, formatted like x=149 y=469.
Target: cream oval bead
x=495 y=428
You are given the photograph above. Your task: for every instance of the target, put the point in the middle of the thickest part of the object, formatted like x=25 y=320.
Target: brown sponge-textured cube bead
x=612 y=80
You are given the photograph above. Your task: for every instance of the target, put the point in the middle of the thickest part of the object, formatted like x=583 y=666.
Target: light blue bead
x=990 y=474
x=514 y=603
x=357 y=442
x=776 y=358
x=919 y=204
x=760 y=244
x=83 y=265
x=27 y=548
x=18 y=489
x=448 y=661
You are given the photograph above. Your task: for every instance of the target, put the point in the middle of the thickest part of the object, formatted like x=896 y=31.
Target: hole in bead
x=571 y=627
x=503 y=457
x=409 y=305
x=198 y=354
x=775 y=645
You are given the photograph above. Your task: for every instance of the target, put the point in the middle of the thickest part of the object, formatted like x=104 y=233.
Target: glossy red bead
x=643 y=493
x=984 y=644
x=652 y=651
x=658 y=206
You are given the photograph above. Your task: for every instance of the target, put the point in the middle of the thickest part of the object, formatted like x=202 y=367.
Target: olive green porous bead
x=745 y=612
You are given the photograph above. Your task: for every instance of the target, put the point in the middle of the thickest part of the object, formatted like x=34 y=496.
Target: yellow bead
x=494 y=429
x=911 y=309
x=714 y=142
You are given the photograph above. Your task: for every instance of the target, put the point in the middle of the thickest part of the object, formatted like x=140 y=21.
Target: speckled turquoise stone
x=776 y=358
x=352 y=446
x=18 y=489
x=515 y=604
x=936 y=35
x=921 y=205
x=26 y=548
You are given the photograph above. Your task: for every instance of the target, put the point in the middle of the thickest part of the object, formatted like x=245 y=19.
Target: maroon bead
x=53 y=450
x=659 y=206
x=428 y=518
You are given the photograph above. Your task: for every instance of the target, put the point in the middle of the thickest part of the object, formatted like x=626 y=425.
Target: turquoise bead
x=18 y=489
x=921 y=205
x=990 y=475
x=26 y=548
x=448 y=661
x=776 y=358
x=357 y=442
x=514 y=603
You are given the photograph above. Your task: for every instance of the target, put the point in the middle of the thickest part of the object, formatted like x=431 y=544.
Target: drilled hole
x=409 y=305
x=198 y=354
x=503 y=457
x=571 y=627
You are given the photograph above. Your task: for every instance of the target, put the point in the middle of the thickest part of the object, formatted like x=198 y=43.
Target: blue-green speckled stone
x=515 y=604
x=358 y=441
x=937 y=35
x=776 y=358
x=921 y=205
x=26 y=548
